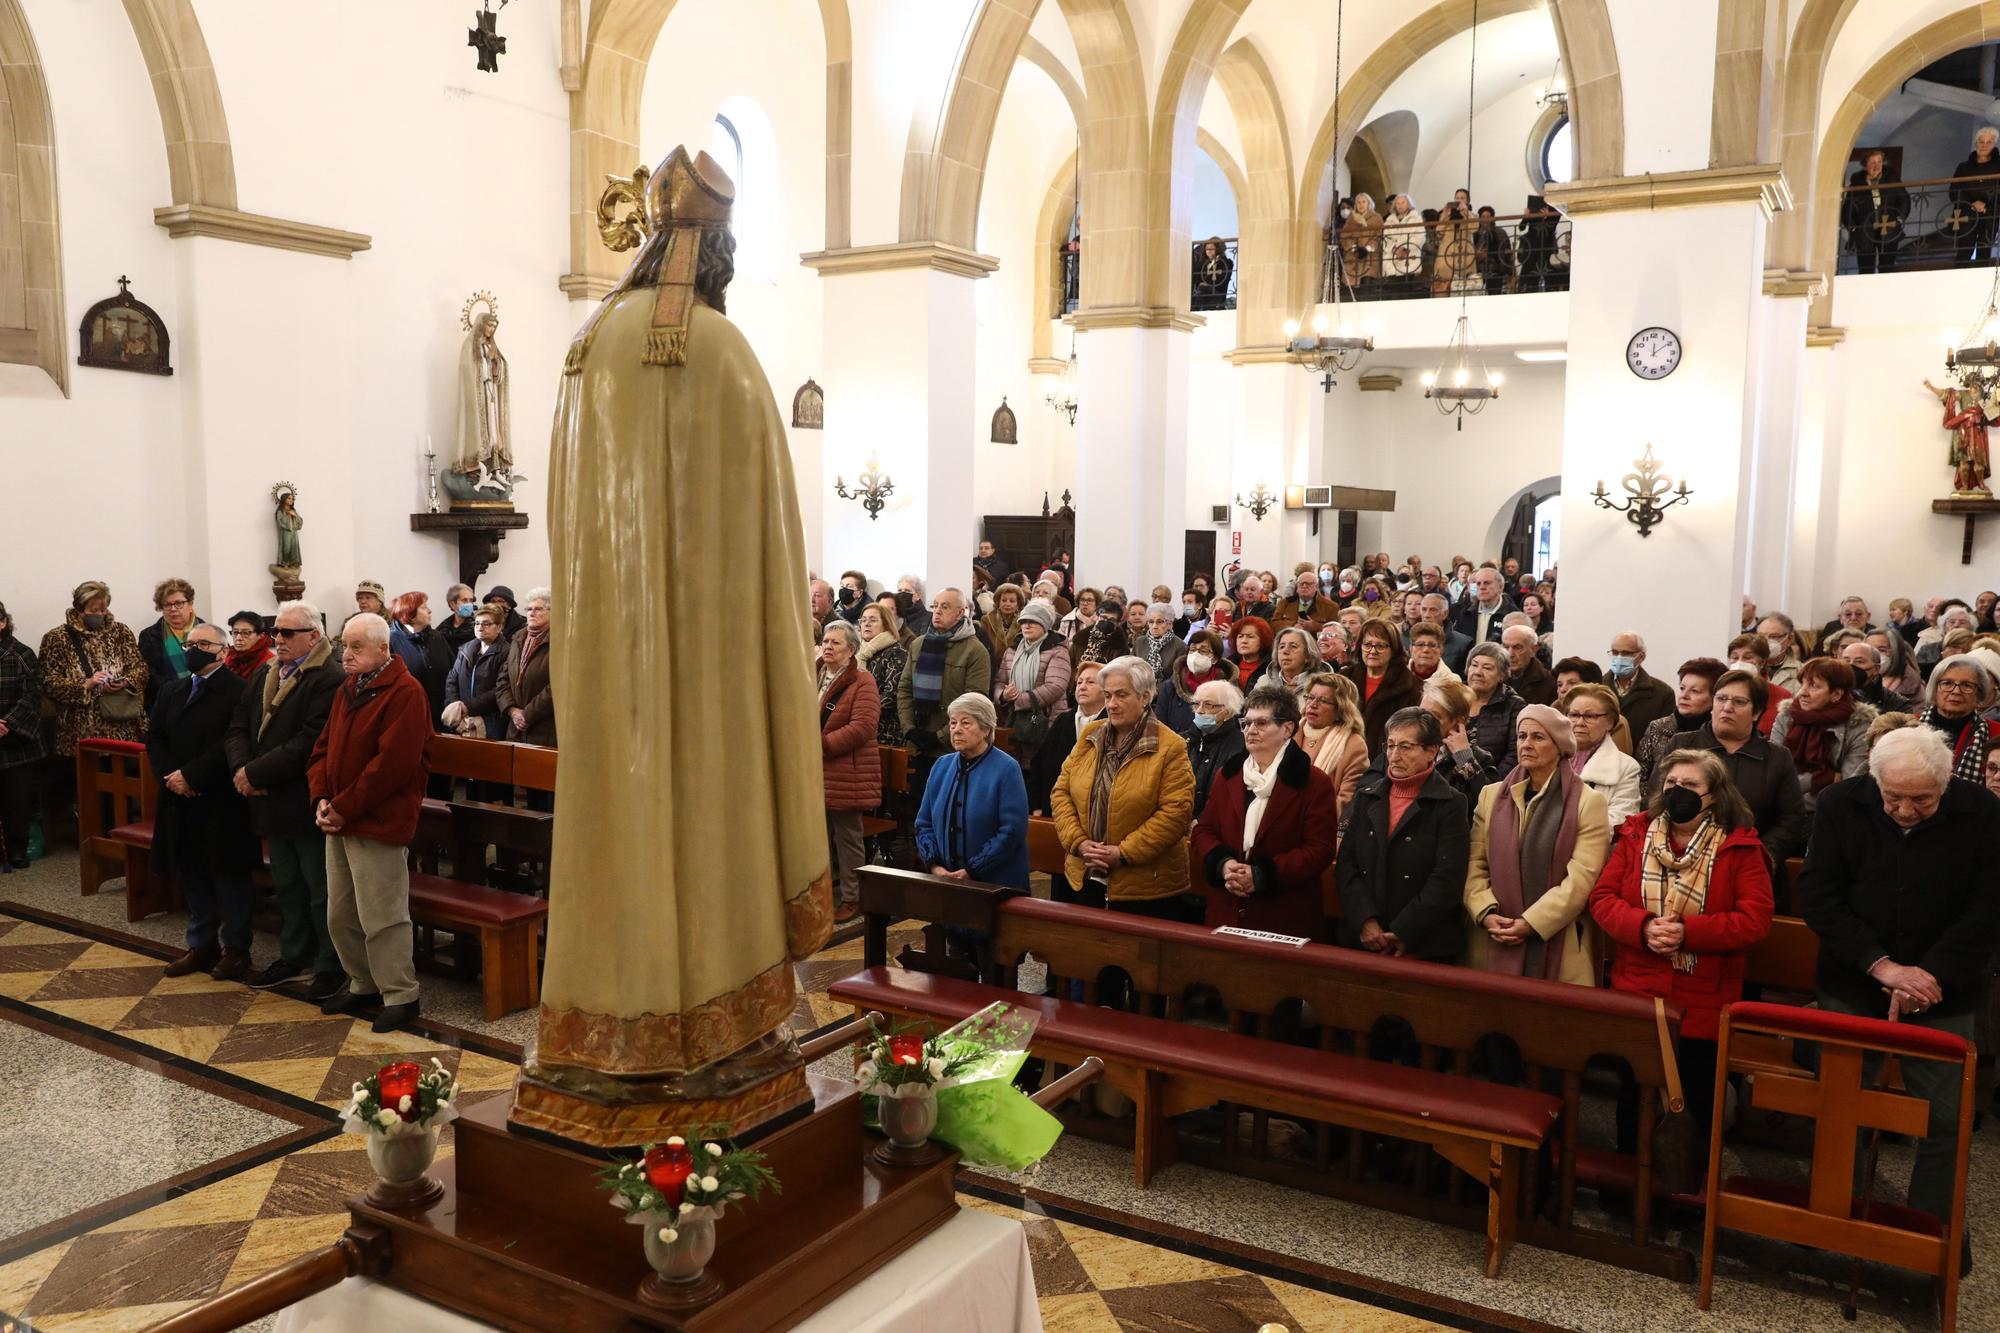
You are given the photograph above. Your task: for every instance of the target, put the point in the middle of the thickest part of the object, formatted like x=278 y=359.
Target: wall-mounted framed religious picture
x=809 y=407
x=124 y=333
x=1005 y=429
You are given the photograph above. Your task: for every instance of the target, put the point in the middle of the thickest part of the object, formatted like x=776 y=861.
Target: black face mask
x=1682 y=805
x=849 y=596
x=199 y=659
x=95 y=621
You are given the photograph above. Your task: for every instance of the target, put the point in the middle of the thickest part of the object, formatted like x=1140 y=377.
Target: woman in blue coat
x=973 y=823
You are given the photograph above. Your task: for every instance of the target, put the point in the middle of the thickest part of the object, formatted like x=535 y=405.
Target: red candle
x=398 y=1081
x=906 y=1048
x=668 y=1166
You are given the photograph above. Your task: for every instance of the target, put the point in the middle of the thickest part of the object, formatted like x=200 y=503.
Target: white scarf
x=875 y=645
x=1258 y=782
x=1027 y=667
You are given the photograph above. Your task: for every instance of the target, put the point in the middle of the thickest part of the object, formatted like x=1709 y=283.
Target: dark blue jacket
x=474 y=682
x=975 y=817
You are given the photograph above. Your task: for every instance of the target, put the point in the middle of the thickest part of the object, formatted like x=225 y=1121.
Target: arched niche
x=32 y=323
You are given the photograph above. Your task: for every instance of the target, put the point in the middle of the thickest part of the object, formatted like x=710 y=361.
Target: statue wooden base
x=1973 y=507
x=478 y=531
x=525 y=1238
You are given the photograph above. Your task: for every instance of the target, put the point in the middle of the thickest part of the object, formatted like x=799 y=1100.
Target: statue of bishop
x=690 y=862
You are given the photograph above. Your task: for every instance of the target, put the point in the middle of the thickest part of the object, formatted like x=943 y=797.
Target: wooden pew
x=895 y=793
x=1045 y=855
x=117 y=798
x=1557 y=1030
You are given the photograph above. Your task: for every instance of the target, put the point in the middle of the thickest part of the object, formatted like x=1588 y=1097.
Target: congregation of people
x=1385 y=758
x=1394 y=250
x=281 y=739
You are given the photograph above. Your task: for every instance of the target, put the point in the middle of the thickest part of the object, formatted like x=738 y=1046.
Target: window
x=1559 y=154
x=741 y=139
x=725 y=145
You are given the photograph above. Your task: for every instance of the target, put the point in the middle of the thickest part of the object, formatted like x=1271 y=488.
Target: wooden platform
x=524 y=1237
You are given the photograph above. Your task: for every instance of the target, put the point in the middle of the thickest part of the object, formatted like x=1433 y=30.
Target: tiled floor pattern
x=128 y=1271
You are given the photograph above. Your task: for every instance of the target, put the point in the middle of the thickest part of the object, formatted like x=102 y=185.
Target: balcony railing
x=1411 y=260
x=1211 y=278
x=1927 y=224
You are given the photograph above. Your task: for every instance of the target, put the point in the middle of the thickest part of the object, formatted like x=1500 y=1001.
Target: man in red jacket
x=367 y=785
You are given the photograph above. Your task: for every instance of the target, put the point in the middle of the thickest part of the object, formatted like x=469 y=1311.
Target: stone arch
x=1596 y=99
x=201 y=167
x=32 y=330
x=1114 y=152
x=1967 y=27
x=1184 y=81
x=1264 y=212
x=1393 y=137
x=1050 y=64
x=1051 y=230
x=604 y=125
x=1748 y=46
x=1798 y=127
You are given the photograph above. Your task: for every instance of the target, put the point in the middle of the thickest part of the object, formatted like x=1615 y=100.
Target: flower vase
x=908 y=1115
x=680 y=1279
x=400 y=1158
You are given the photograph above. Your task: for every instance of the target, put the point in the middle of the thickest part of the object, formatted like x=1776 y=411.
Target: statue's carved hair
x=714 y=265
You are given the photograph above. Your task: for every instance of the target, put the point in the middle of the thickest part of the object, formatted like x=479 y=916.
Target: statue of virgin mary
x=482 y=467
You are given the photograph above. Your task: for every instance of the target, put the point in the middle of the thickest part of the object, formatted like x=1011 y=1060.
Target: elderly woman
x=1032 y=686
x=1294 y=660
x=1081 y=616
x=1961 y=691
x=92 y=672
x=884 y=657
x=1267 y=832
x=1250 y=648
x=1380 y=674
x=1607 y=770
x=1158 y=645
x=849 y=711
x=249 y=645
x=1825 y=727
x=1539 y=839
x=423 y=648
x=163 y=644
x=1201 y=663
x=1685 y=893
x=1123 y=805
x=1692 y=705
x=460 y=607
x=973 y=822
x=1900 y=676
x=1975 y=190
x=525 y=697
x=1215 y=736
x=999 y=623
x=1495 y=705
x=1332 y=645
x=1762 y=772
x=20 y=742
x=1101 y=640
x=1462 y=762
x=1330 y=733
x=472 y=688
x=1087 y=698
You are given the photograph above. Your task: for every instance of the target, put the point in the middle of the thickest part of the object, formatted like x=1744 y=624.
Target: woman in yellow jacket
x=1123 y=806
x=1538 y=840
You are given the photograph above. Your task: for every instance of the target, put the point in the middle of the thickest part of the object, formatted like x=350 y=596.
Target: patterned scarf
x=1670 y=887
x=1810 y=740
x=927 y=678
x=1111 y=756
x=1968 y=760
x=361 y=684
x=1507 y=838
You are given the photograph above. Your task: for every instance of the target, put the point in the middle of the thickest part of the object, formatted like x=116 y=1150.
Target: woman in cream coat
x=1605 y=769
x=1535 y=860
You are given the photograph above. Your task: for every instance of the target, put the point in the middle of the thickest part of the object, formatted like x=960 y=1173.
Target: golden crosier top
x=683 y=192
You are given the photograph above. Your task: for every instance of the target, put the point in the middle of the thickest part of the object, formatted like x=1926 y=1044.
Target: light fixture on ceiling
x=1462 y=385
x=1323 y=354
x=1536 y=355
x=1972 y=358
x=1557 y=91
x=1061 y=389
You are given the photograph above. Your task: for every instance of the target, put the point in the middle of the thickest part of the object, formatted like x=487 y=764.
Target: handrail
x=363 y=1250
x=1916 y=185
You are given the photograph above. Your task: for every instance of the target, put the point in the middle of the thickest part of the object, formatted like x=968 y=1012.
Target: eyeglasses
x=175 y=605
x=1402 y=747
x=1588 y=717
x=1257 y=723
x=241 y=632
x=285 y=633
x=1957 y=685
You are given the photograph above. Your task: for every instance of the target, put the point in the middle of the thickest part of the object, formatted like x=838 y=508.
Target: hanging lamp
x=1462 y=385
x=1334 y=347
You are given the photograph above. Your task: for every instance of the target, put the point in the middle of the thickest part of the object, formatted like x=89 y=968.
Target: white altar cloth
x=971 y=1275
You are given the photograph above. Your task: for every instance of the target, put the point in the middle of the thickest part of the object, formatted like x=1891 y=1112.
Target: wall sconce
x=1261 y=501
x=1647 y=488
x=873 y=488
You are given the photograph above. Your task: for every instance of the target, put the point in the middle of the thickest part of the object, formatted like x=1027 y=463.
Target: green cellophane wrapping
x=980 y=1111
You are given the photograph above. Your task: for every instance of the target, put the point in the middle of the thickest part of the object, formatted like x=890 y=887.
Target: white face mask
x=1199 y=663
x=1777 y=648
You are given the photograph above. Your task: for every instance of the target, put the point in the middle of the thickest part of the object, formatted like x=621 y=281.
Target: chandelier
x=1462 y=385
x=1061 y=394
x=1455 y=388
x=1323 y=354
x=1973 y=358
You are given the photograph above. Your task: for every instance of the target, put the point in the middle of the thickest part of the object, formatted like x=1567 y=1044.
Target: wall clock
x=1653 y=353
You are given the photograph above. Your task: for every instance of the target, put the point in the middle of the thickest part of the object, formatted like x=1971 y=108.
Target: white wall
x=1500 y=157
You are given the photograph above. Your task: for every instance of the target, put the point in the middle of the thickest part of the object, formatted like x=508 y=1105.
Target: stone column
x=1131 y=445
x=904 y=395
x=1773 y=500
x=1682 y=250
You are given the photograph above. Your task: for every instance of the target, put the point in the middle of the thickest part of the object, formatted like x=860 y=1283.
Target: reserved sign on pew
x=1296 y=941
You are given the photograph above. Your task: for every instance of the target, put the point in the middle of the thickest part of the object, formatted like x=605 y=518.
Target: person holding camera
x=93 y=673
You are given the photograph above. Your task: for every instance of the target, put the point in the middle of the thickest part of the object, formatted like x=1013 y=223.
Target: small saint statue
x=288 y=521
x=481 y=475
x=1970 y=461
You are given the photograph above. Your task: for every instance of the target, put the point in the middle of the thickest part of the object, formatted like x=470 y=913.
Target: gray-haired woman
x=1032 y=688
x=1159 y=645
x=1294 y=661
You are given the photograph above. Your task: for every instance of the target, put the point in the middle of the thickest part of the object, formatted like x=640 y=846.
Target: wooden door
x=1200 y=556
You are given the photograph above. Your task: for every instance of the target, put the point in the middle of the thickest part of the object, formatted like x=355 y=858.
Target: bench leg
x=506 y=964
x=1503 y=1204
x=1152 y=1132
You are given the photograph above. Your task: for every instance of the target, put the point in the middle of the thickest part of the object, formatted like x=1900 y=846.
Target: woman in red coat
x=849 y=709
x=1684 y=894
x=1266 y=834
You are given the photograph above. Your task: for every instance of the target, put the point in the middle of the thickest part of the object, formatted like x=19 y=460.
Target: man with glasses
x=201 y=827
x=947 y=661
x=1401 y=872
x=269 y=744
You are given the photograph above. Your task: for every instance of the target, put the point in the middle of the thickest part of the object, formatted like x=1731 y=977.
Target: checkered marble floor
x=110 y=1270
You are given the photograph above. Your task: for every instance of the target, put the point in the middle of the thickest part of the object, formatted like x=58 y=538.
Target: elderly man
x=1749 y=615
x=1307 y=607
x=1866 y=661
x=1783 y=668
x=946 y=662
x=820 y=593
x=1401 y=872
x=270 y=743
x=1902 y=889
x=1251 y=595
x=1437 y=610
x=201 y=831
x=1853 y=614
x=1531 y=680
x=1480 y=619
x=1641 y=697
x=366 y=783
